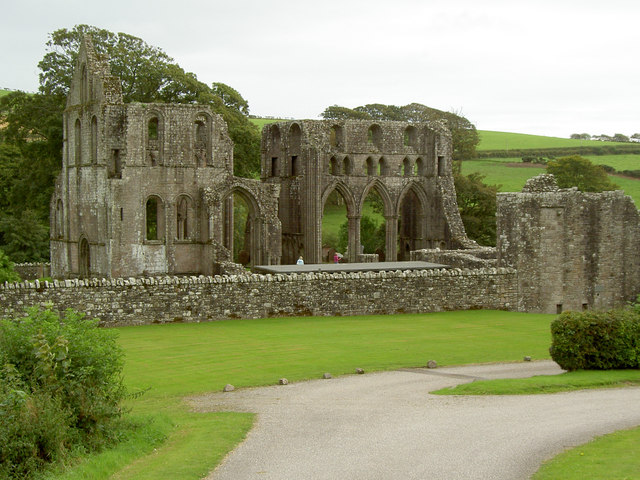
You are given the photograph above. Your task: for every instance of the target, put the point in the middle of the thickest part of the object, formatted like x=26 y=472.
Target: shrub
x=7 y=273
x=596 y=340
x=60 y=389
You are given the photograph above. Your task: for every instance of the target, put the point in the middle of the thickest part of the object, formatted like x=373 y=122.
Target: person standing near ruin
x=336 y=258
x=300 y=261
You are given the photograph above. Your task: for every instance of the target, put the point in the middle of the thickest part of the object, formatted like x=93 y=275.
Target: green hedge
x=622 y=149
x=596 y=340
x=60 y=390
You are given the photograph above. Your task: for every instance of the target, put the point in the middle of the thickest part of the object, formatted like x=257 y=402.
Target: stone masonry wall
x=138 y=301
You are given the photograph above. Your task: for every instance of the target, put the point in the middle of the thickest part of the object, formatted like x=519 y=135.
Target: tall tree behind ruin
x=464 y=134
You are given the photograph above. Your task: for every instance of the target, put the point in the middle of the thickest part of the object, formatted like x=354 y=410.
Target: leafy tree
x=477 y=205
x=619 y=137
x=7 y=273
x=464 y=134
x=580 y=136
x=577 y=171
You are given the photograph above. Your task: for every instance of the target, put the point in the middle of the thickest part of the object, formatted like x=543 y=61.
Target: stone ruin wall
x=137 y=301
x=572 y=250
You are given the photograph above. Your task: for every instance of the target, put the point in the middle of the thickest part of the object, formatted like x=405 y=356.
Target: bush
x=596 y=340
x=60 y=389
x=7 y=273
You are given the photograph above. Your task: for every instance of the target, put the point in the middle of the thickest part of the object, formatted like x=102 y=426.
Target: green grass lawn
x=609 y=457
x=579 y=380
x=490 y=140
x=169 y=362
x=511 y=178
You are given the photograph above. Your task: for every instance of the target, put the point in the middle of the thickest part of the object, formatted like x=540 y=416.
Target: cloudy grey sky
x=549 y=67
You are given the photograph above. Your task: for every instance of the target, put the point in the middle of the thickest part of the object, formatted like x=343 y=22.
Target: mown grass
x=490 y=140
x=613 y=456
x=172 y=361
x=579 y=380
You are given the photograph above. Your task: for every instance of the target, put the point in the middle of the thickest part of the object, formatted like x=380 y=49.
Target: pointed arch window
x=94 y=140
x=154 y=218
x=184 y=218
x=154 y=140
x=77 y=132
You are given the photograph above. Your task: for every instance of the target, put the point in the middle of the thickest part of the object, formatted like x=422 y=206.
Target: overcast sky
x=548 y=67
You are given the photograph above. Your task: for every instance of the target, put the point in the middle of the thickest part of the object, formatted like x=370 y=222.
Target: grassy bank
x=169 y=362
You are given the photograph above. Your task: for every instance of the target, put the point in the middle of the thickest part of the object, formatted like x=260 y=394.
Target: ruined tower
x=146 y=189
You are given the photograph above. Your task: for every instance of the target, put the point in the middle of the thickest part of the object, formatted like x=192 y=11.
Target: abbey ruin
x=142 y=221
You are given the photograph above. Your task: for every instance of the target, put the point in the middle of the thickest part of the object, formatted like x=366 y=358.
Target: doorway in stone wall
x=410 y=225
x=239 y=224
x=373 y=225
x=335 y=227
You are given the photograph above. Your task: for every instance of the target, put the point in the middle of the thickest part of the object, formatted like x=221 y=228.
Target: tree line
x=616 y=137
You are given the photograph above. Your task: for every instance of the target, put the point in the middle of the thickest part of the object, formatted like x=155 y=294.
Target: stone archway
x=84 y=258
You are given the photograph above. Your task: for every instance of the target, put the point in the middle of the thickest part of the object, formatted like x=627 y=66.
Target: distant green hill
x=519 y=141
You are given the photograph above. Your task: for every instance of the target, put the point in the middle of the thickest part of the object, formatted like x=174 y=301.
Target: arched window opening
x=346 y=166
x=84 y=259
x=334 y=166
x=154 y=141
x=201 y=144
x=410 y=137
x=78 y=142
x=274 y=167
x=152 y=128
x=84 y=85
x=407 y=171
x=295 y=139
x=115 y=164
x=154 y=219
x=59 y=220
x=383 y=169
x=335 y=227
x=374 y=136
x=442 y=166
x=373 y=225
x=94 y=140
x=238 y=226
x=371 y=167
x=184 y=218
x=336 y=137
x=419 y=168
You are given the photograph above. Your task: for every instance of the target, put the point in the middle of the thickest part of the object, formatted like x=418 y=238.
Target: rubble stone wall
x=137 y=301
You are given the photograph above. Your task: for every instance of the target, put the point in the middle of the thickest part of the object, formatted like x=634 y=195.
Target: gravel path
x=387 y=426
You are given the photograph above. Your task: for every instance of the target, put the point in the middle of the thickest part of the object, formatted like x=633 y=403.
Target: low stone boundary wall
x=483 y=257
x=137 y=301
x=32 y=271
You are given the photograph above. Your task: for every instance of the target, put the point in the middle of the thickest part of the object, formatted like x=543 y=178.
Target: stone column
x=354 y=238
x=391 y=240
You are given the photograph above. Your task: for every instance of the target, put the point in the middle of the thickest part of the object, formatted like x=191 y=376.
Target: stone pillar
x=391 y=240
x=354 y=238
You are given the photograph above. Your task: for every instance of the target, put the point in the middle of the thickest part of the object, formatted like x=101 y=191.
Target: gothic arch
x=346 y=193
x=383 y=191
x=185 y=217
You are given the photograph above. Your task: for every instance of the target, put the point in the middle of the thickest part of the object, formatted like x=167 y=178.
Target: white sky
x=548 y=67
